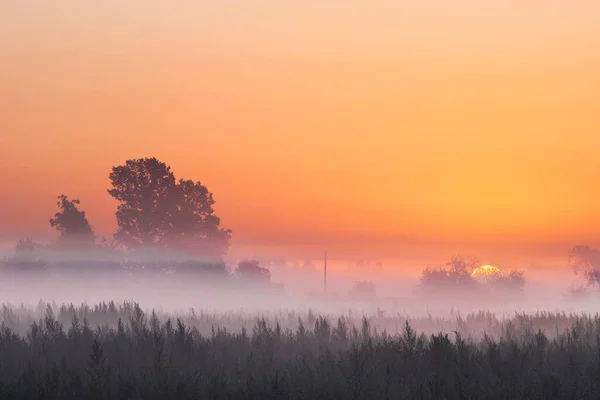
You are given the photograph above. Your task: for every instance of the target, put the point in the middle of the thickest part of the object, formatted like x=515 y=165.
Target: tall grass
x=119 y=351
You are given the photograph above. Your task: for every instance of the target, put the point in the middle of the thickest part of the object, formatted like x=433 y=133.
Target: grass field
x=119 y=351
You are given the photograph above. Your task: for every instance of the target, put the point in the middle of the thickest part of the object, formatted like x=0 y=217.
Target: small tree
x=454 y=277
x=578 y=292
x=27 y=256
x=434 y=278
x=71 y=222
x=251 y=270
x=456 y=273
x=27 y=246
x=460 y=269
x=586 y=261
x=517 y=280
x=514 y=282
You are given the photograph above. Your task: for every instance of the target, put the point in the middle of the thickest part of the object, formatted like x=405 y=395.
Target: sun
x=486 y=271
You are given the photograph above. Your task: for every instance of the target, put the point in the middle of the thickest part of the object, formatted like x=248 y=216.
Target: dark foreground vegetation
x=128 y=354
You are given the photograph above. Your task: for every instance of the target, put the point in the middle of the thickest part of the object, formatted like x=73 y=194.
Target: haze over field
x=394 y=135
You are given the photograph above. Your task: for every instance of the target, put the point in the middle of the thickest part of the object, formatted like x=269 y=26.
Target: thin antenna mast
x=325 y=274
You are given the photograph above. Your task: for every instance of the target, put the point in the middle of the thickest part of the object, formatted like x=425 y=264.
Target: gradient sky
x=386 y=129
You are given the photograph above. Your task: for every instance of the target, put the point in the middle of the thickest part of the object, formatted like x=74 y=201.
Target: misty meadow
x=299 y=200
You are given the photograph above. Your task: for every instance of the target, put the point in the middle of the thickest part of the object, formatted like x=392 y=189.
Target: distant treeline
x=457 y=276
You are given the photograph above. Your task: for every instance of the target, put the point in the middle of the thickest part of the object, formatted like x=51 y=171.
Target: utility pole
x=325 y=274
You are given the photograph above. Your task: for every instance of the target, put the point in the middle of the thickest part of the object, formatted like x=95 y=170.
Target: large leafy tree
x=72 y=223
x=157 y=211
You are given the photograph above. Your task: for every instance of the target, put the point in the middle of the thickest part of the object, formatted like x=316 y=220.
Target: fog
x=154 y=326
x=294 y=290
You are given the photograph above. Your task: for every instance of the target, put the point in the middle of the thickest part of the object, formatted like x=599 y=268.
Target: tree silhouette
x=74 y=228
x=27 y=256
x=157 y=211
x=434 y=278
x=461 y=267
x=27 y=246
x=456 y=274
x=251 y=270
x=513 y=282
x=144 y=189
x=578 y=292
x=194 y=224
x=586 y=261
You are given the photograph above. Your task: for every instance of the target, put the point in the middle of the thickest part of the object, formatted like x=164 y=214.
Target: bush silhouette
x=27 y=257
x=250 y=270
x=455 y=276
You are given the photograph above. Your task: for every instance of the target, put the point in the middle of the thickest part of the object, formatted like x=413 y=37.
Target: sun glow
x=486 y=271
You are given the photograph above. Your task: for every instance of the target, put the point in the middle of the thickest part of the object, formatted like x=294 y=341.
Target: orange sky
x=378 y=129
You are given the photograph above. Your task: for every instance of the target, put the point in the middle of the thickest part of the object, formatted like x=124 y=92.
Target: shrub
x=27 y=257
x=252 y=271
